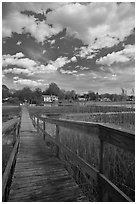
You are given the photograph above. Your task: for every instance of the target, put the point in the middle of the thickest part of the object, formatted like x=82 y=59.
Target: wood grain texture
x=8 y=171
x=112 y=134
x=9 y=124
x=39 y=176
x=106 y=133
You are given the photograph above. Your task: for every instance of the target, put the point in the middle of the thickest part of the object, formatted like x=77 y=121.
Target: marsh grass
x=9 y=112
x=122 y=119
x=118 y=165
x=76 y=108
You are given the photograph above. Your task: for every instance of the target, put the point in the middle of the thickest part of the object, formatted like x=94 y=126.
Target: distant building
x=49 y=98
x=81 y=98
x=105 y=100
x=5 y=100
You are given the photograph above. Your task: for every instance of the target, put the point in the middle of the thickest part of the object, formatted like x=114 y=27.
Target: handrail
x=9 y=124
x=106 y=133
x=7 y=175
x=112 y=134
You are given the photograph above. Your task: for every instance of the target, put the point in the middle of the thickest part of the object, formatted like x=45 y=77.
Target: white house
x=50 y=98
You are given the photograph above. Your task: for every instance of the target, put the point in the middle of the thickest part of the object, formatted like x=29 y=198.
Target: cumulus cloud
x=19 y=43
x=17 y=55
x=18 y=60
x=53 y=65
x=18 y=71
x=84 y=68
x=46 y=69
x=113 y=57
x=44 y=51
x=30 y=67
x=68 y=71
x=78 y=76
x=27 y=82
x=85 y=51
x=37 y=7
x=74 y=59
x=15 y=78
x=125 y=55
x=100 y=25
x=60 y=62
x=21 y=23
x=52 y=42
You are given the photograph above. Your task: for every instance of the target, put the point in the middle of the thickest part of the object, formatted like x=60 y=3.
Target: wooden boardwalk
x=40 y=176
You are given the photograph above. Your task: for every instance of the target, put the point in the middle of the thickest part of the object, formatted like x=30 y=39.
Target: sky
x=79 y=46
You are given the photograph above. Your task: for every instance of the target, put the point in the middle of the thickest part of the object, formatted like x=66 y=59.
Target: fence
x=7 y=175
x=105 y=189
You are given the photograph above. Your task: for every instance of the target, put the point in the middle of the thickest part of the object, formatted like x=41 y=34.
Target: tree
x=72 y=94
x=62 y=94
x=53 y=90
x=5 y=91
x=123 y=94
x=132 y=96
x=36 y=96
x=91 y=96
x=14 y=100
x=4 y=87
x=24 y=94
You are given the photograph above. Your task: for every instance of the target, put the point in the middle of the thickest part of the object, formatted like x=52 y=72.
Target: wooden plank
x=118 y=137
x=85 y=127
x=39 y=175
x=37 y=185
x=7 y=172
x=57 y=139
x=94 y=172
x=56 y=194
x=44 y=130
x=112 y=134
x=84 y=166
x=113 y=191
x=9 y=124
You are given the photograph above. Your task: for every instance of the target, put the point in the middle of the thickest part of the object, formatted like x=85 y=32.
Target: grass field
x=76 y=108
x=8 y=112
x=119 y=165
x=122 y=119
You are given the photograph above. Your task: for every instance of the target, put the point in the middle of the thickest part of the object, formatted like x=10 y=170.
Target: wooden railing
x=6 y=126
x=106 y=190
x=13 y=124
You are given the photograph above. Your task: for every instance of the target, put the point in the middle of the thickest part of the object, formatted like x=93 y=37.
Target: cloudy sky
x=79 y=46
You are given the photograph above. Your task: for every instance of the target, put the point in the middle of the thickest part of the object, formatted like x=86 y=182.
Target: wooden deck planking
x=39 y=175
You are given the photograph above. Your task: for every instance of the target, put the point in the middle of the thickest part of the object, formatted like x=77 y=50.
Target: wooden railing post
x=33 y=117
x=14 y=134
x=57 y=139
x=44 y=130
x=16 y=131
x=100 y=187
x=101 y=156
x=37 y=123
x=106 y=190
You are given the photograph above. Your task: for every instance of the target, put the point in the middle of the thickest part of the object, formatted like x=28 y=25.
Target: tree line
x=36 y=96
